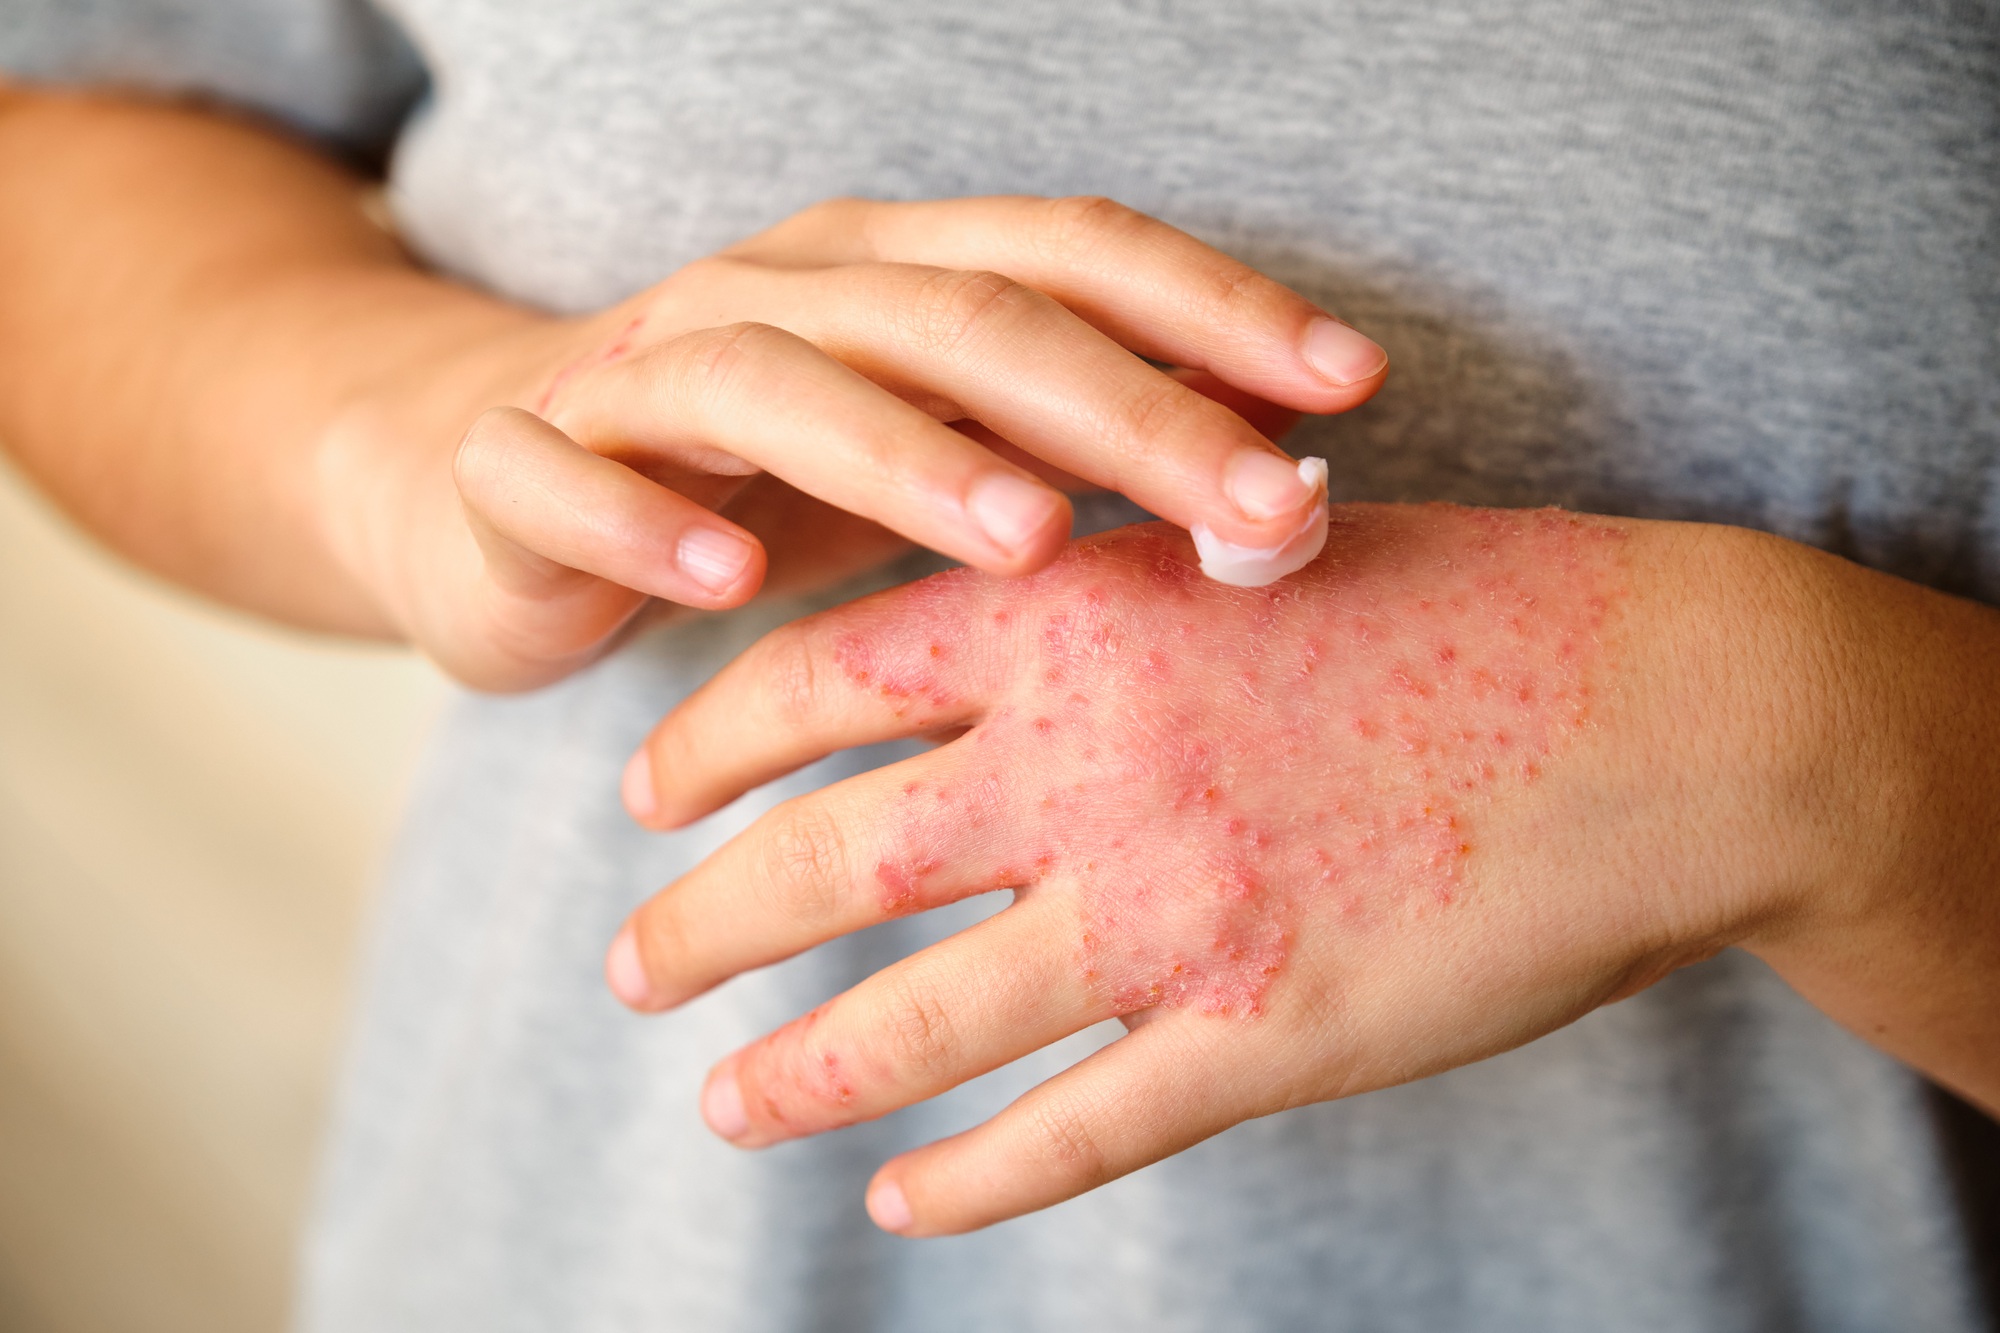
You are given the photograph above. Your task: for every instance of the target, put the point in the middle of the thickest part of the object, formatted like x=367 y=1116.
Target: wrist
x=384 y=503
x=1827 y=757
x=1858 y=752
x=1892 y=925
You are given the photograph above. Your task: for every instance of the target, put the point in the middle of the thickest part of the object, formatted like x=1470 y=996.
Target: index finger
x=1150 y=286
x=904 y=662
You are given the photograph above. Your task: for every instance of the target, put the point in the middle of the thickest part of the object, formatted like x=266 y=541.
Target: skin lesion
x=1319 y=749
x=614 y=349
x=913 y=675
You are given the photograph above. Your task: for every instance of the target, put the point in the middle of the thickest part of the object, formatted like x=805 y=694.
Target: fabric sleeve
x=339 y=71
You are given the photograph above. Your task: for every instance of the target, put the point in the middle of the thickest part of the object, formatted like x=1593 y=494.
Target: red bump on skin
x=792 y=1060
x=1446 y=656
x=902 y=884
x=617 y=349
x=832 y=1086
x=853 y=655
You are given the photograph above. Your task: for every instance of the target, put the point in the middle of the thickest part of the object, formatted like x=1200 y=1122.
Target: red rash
x=617 y=349
x=1207 y=766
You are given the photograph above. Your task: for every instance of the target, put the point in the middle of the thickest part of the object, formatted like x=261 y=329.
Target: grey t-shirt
x=1699 y=259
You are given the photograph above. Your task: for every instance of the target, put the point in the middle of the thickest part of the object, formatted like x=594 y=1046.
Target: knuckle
x=805 y=860
x=1062 y=1129
x=1158 y=409
x=837 y=210
x=1079 y=224
x=703 y=276
x=715 y=363
x=918 y=1038
x=798 y=237
x=1221 y=290
x=788 y=670
x=1217 y=287
x=954 y=306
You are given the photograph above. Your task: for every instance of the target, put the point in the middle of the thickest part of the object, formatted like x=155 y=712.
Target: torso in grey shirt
x=1699 y=260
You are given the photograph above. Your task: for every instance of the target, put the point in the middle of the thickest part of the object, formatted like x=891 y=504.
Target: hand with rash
x=1465 y=778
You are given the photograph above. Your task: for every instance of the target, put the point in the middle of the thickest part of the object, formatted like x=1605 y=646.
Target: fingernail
x=625 y=973
x=887 y=1206
x=713 y=558
x=1266 y=485
x=636 y=788
x=722 y=1106
x=1011 y=510
x=1342 y=355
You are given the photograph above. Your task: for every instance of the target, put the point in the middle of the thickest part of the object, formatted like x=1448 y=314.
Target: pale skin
x=212 y=357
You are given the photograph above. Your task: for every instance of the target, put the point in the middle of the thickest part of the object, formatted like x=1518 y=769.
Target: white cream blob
x=1255 y=566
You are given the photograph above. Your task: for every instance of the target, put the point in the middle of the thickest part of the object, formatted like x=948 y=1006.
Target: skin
x=214 y=359
x=1464 y=779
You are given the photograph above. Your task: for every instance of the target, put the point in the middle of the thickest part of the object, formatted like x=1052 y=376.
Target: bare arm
x=187 y=302
x=213 y=358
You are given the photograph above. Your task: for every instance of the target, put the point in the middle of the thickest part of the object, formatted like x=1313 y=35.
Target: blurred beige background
x=191 y=809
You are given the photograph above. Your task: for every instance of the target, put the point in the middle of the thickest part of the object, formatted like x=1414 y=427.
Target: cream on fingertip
x=1255 y=566
x=1263 y=484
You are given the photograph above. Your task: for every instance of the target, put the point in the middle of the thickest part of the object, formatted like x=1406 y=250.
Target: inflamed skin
x=1463 y=778
x=1205 y=768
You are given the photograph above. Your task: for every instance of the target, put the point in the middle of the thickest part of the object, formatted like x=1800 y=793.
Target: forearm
x=185 y=302
x=1904 y=948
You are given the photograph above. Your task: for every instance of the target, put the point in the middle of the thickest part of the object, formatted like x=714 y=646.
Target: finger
x=1266 y=418
x=1160 y=1089
x=809 y=544
x=547 y=510
x=887 y=843
x=1019 y=362
x=1271 y=420
x=981 y=999
x=1152 y=287
x=759 y=394
x=904 y=662
x=1067 y=483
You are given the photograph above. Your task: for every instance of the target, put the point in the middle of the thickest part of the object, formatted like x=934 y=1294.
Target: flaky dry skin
x=1462 y=780
x=1207 y=767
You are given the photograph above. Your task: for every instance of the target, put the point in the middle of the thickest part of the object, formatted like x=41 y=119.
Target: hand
x=829 y=353
x=1467 y=777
